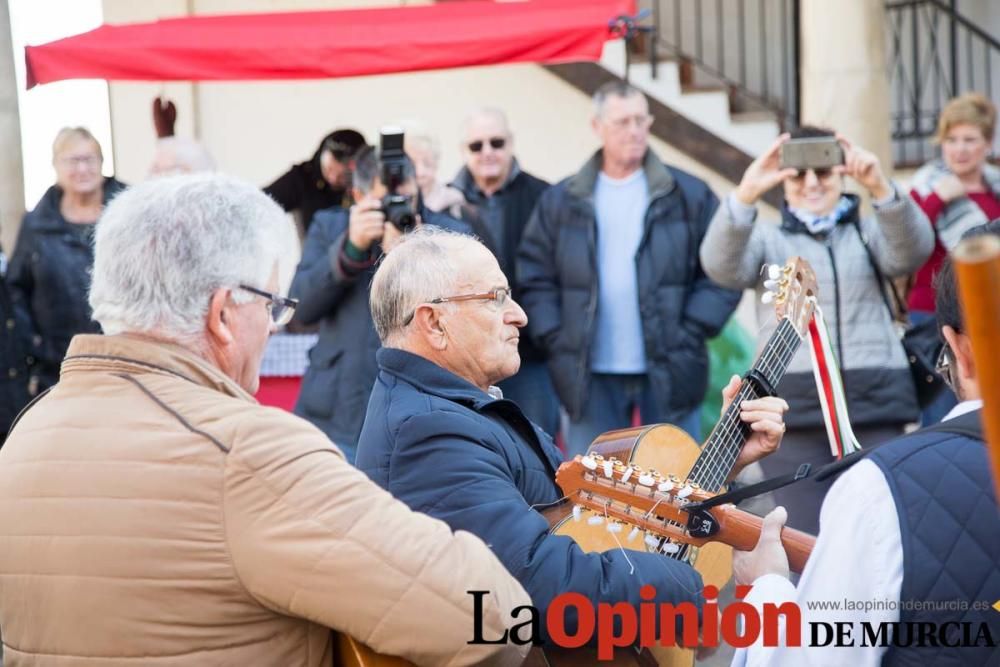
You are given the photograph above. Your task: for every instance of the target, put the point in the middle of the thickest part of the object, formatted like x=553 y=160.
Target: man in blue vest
x=909 y=542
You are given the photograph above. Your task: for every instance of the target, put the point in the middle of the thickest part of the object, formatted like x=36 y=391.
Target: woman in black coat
x=50 y=270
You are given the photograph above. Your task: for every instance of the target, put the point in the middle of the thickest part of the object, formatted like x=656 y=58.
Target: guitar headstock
x=794 y=291
x=624 y=494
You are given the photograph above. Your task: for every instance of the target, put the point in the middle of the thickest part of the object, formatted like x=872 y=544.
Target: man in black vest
x=909 y=541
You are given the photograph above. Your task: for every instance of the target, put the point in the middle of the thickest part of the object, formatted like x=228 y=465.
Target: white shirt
x=858 y=558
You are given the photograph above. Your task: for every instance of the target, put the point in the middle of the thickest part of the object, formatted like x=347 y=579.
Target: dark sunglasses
x=496 y=143
x=821 y=174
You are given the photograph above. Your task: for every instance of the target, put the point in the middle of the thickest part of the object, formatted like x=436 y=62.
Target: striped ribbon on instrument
x=830 y=388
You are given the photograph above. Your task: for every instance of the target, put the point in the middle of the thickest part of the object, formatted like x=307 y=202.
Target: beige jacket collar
x=128 y=353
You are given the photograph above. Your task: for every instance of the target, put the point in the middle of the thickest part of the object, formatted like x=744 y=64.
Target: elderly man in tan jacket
x=151 y=512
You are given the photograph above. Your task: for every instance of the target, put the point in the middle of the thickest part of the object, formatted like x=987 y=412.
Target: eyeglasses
x=496 y=143
x=642 y=121
x=822 y=173
x=943 y=367
x=497 y=295
x=80 y=161
x=280 y=308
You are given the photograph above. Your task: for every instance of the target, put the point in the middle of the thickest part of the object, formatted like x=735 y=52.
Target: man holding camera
x=332 y=280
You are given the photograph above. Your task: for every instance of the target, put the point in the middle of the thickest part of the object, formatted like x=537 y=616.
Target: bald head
x=424 y=265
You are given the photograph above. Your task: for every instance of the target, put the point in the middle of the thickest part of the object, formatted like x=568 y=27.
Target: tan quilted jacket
x=151 y=512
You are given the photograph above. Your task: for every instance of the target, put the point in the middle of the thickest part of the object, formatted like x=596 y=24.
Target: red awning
x=331 y=44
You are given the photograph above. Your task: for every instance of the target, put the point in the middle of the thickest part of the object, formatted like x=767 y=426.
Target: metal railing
x=934 y=54
x=748 y=47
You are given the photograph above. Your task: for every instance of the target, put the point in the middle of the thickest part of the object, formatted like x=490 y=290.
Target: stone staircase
x=751 y=133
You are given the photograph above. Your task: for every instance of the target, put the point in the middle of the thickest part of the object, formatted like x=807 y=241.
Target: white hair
x=162 y=248
x=419 y=269
x=416 y=135
x=180 y=155
x=614 y=88
x=491 y=112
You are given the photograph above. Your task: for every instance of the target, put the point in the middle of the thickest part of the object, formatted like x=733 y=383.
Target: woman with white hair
x=50 y=269
x=424 y=151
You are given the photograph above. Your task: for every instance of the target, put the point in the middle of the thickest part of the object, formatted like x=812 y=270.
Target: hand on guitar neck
x=765 y=417
x=769 y=556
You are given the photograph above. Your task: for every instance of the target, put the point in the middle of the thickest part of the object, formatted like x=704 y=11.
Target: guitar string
x=721 y=463
x=731 y=425
x=773 y=368
x=723 y=453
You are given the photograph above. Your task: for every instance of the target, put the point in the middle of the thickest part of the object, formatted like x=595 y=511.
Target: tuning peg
x=646 y=479
x=771 y=285
x=589 y=462
x=627 y=474
x=577 y=512
x=665 y=487
x=670 y=547
x=614 y=527
x=773 y=271
x=609 y=468
x=685 y=492
x=767 y=297
x=632 y=534
x=595 y=520
x=652 y=541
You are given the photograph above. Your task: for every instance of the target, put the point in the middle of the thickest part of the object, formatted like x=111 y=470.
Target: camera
x=812 y=153
x=399 y=209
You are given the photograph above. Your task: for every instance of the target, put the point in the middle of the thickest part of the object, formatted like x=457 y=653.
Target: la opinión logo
x=655 y=624
x=573 y=621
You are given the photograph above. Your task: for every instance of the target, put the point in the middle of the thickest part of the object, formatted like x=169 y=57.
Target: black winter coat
x=50 y=275
x=303 y=188
x=680 y=306
x=15 y=331
x=333 y=292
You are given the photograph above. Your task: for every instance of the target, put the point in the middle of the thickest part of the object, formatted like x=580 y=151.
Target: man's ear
x=427 y=321
x=961 y=347
x=219 y=332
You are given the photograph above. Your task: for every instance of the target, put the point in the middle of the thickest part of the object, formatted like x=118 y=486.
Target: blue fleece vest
x=950 y=528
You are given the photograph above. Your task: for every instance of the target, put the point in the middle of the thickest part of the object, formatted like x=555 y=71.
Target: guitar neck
x=723 y=445
x=741 y=530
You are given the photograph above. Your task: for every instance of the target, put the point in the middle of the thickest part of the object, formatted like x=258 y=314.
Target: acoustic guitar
x=667 y=454
x=640 y=453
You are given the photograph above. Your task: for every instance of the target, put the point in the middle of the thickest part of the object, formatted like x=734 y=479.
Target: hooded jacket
x=875 y=371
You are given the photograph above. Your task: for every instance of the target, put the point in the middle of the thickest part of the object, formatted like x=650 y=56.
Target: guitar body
x=349 y=652
x=667 y=449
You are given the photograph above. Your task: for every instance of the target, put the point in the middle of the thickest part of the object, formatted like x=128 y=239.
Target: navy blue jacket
x=450 y=450
x=679 y=305
x=15 y=331
x=950 y=531
x=333 y=292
